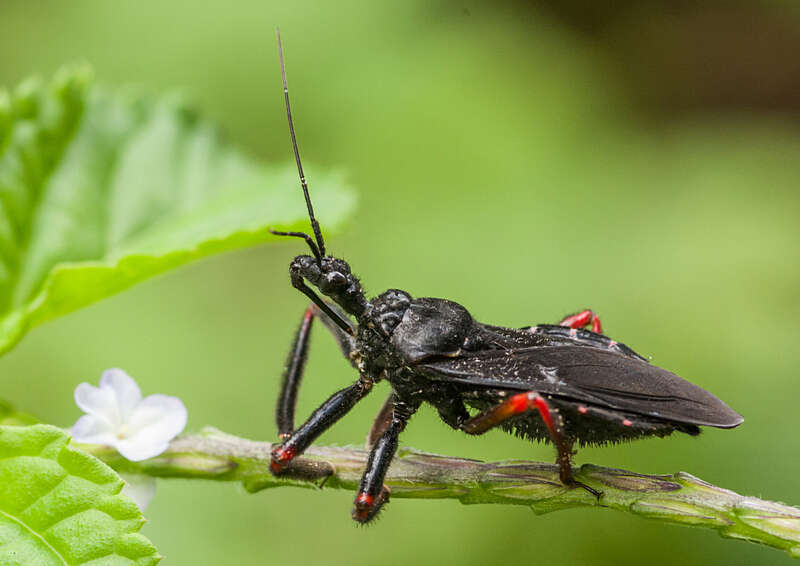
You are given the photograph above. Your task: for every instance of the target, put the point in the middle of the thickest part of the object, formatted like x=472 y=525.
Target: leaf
x=59 y=505
x=99 y=191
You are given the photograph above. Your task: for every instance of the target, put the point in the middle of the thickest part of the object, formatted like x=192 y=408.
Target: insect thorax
x=375 y=331
x=400 y=330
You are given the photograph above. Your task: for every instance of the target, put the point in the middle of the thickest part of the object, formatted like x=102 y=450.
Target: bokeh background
x=526 y=159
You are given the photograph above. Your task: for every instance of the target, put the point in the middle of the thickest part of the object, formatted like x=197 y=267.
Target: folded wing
x=591 y=375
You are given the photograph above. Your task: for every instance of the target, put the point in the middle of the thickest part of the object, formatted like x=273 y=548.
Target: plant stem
x=678 y=498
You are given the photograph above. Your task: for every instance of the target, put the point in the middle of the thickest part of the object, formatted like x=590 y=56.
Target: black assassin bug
x=558 y=383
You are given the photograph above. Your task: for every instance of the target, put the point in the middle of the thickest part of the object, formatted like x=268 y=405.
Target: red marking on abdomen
x=583 y=410
x=626 y=422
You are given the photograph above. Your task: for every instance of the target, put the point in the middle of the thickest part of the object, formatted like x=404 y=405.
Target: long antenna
x=314 y=223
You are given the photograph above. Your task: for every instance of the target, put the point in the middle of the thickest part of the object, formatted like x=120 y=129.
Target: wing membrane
x=591 y=375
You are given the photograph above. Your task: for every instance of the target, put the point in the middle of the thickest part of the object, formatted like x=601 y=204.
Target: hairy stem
x=677 y=498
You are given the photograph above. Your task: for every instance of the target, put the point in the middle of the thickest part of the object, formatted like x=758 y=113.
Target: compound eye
x=304 y=264
x=333 y=280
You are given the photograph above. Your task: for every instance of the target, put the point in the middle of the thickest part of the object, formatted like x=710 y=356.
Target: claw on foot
x=573 y=483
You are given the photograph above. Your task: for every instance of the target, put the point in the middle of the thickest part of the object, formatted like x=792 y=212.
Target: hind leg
x=522 y=403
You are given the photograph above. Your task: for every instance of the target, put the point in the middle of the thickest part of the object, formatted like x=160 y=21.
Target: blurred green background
x=524 y=159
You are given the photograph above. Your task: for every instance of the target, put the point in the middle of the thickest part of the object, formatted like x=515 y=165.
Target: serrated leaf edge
x=64 y=440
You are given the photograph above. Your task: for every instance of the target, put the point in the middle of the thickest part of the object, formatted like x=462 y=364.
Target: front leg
x=292 y=375
x=372 y=494
x=337 y=406
x=296 y=361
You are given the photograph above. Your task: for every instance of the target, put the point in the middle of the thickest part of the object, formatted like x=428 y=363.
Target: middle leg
x=296 y=362
x=292 y=375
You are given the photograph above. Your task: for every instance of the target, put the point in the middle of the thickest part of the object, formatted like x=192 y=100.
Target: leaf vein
x=36 y=535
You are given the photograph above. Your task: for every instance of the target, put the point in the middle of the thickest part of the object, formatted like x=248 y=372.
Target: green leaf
x=59 y=505
x=99 y=191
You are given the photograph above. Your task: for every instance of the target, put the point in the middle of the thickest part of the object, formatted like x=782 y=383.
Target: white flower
x=116 y=415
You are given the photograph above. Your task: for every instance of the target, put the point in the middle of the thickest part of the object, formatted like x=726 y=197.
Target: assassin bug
x=558 y=383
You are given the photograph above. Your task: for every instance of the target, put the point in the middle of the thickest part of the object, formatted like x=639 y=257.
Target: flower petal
x=125 y=389
x=90 y=429
x=99 y=402
x=158 y=418
x=154 y=422
x=140 y=488
x=134 y=449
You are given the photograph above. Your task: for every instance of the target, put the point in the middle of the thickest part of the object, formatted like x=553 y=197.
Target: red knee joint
x=519 y=403
x=527 y=401
x=584 y=318
x=280 y=458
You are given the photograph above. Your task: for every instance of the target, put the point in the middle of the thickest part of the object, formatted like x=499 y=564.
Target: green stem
x=678 y=498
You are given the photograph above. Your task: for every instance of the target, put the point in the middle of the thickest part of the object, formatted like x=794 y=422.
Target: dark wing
x=591 y=375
